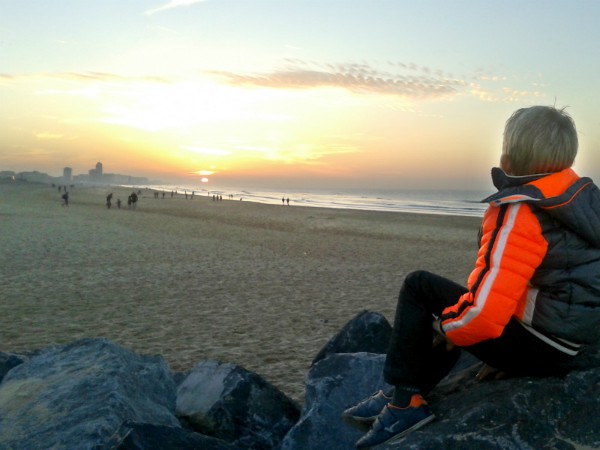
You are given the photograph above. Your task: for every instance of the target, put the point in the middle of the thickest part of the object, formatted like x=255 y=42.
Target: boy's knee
x=416 y=277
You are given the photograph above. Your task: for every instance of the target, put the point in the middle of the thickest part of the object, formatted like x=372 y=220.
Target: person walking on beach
x=134 y=198
x=531 y=302
x=65 y=198
x=108 y=200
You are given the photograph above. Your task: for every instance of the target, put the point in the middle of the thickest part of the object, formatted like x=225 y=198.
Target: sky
x=299 y=93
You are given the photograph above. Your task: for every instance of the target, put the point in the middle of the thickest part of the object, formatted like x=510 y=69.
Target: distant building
x=97 y=173
x=95 y=176
x=68 y=175
x=36 y=177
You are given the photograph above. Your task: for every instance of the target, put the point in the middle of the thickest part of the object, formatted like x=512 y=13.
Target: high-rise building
x=67 y=175
x=96 y=174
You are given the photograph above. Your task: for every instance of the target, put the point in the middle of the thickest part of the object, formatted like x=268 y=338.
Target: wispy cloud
x=49 y=136
x=172 y=4
x=407 y=80
x=413 y=81
x=104 y=77
x=206 y=151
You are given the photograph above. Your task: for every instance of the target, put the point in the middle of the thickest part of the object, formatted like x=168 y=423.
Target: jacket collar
x=513 y=189
x=564 y=196
x=502 y=180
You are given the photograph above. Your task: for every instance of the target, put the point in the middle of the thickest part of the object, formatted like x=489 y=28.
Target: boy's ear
x=505 y=163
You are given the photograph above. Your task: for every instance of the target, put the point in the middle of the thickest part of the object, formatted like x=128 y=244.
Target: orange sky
x=252 y=95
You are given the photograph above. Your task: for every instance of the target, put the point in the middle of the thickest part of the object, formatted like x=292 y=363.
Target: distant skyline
x=298 y=93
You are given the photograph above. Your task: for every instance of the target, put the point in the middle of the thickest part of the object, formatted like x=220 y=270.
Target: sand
x=262 y=286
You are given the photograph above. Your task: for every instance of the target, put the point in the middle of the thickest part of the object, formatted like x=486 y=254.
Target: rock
x=8 y=361
x=76 y=396
x=144 y=436
x=517 y=413
x=367 y=332
x=332 y=385
x=179 y=377
x=93 y=394
x=240 y=407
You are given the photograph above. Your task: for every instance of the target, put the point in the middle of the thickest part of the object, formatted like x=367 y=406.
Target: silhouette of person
x=134 y=199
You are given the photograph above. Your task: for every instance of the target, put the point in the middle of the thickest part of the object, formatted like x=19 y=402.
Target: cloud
x=206 y=151
x=49 y=136
x=359 y=78
x=406 y=80
x=104 y=77
x=172 y=4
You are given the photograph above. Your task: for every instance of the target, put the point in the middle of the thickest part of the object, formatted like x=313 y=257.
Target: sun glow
x=205 y=173
x=157 y=107
x=215 y=126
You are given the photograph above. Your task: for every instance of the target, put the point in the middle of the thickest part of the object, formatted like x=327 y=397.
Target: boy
x=533 y=297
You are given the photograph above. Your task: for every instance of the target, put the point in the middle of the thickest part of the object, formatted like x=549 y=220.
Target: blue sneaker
x=394 y=423
x=364 y=414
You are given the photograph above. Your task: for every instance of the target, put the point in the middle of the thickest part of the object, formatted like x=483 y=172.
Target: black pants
x=412 y=360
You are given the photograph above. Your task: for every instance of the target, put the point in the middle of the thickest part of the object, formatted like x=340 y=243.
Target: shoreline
x=453 y=202
x=259 y=285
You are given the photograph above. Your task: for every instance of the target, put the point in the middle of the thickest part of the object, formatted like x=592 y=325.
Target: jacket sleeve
x=512 y=247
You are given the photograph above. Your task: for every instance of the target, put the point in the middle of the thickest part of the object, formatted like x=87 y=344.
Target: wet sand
x=262 y=286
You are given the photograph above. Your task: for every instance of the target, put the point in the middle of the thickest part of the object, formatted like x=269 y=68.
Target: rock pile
x=93 y=394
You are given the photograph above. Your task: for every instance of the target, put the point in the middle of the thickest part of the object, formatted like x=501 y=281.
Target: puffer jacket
x=538 y=261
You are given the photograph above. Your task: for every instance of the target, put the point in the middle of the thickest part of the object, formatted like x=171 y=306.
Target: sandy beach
x=263 y=286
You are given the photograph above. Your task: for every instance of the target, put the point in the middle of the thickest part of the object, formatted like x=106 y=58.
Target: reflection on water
x=446 y=202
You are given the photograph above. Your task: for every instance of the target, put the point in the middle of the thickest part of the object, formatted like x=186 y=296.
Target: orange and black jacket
x=538 y=261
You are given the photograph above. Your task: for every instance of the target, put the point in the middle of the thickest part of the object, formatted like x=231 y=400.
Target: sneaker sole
x=399 y=436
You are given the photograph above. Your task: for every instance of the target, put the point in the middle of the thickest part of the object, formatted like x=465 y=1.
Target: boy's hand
x=439 y=339
x=489 y=373
x=440 y=336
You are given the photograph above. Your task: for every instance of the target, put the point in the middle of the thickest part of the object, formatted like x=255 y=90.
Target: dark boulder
x=240 y=407
x=517 y=413
x=144 y=436
x=368 y=332
x=333 y=384
x=93 y=394
x=76 y=396
x=9 y=361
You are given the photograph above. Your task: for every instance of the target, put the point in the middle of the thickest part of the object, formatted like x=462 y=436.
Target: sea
x=441 y=202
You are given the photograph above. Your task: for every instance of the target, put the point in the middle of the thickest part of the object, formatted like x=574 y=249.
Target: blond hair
x=540 y=139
